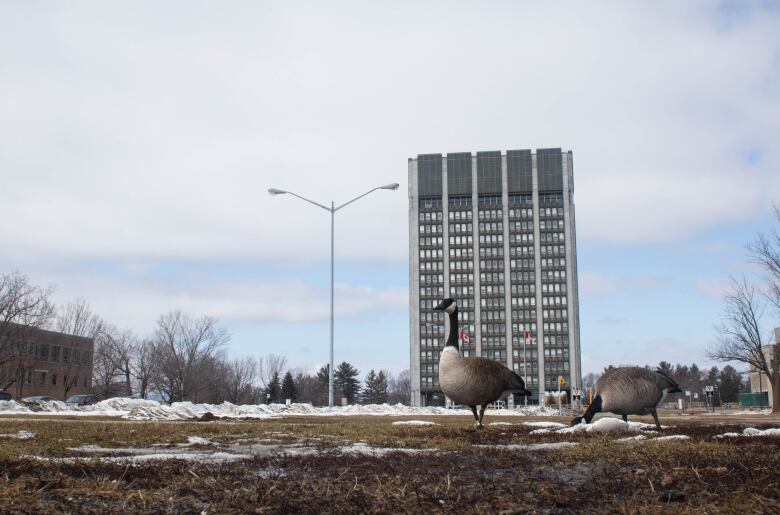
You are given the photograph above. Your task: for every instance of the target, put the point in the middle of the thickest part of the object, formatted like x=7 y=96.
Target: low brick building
x=39 y=362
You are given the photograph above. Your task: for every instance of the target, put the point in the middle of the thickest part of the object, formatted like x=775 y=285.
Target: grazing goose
x=472 y=381
x=629 y=391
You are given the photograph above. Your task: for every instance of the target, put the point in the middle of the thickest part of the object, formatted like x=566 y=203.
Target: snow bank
x=140 y=409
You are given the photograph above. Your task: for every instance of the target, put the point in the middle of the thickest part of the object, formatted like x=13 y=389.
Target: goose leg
x=625 y=418
x=655 y=417
x=482 y=413
x=476 y=417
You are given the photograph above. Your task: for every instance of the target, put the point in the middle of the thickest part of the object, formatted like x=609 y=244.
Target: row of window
x=491 y=342
x=556 y=366
x=432 y=291
x=551 y=237
x=556 y=326
x=430 y=216
x=433 y=241
x=556 y=353
x=431 y=229
x=431 y=278
x=456 y=264
x=54 y=353
x=462 y=253
x=491 y=264
x=456 y=228
x=550 y=224
x=553 y=262
x=431 y=254
x=558 y=314
x=431 y=266
x=552 y=250
x=522 y=238
x=522 y=263
x=495 y=277
x=44 y=379
x=524 y=314
x=461 y=278
x=491 y=239
x=553 y=275
x=521 y=213
x=462 y=240
x=491 y=315
x=491 y=214
x=553 y=301
x=491 y=227
x=460 y=215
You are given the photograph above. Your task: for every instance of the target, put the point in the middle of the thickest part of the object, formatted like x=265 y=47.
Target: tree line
x=184 y=357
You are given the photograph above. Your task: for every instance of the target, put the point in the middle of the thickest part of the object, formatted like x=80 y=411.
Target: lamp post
x=332 y=210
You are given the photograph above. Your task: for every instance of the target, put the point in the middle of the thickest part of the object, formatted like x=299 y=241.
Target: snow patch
x=415 y=423
x=544 y=424
x=21 y=435
x=670 y=437
x=752 y=431
x=529 y=447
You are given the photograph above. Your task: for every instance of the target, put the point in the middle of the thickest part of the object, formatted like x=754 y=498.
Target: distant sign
x=709 y=389
x=561 y=380
x=687 y=393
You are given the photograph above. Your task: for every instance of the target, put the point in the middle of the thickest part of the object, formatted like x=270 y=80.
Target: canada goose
x=472 y=381
x=629 y=391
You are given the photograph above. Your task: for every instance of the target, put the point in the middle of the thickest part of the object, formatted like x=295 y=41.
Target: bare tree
x=184 y=348
x=119 y=347
x=269 y=365
x=400 y=388
x=765 y=251
x=742 y=338
x=22 y=306
x=239 y=377
x=143 y=366
x=78 y=319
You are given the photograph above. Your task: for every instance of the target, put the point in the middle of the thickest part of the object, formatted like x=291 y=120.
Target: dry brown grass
x=598 y=475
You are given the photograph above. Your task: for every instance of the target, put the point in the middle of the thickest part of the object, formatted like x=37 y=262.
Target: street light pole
x=332 y=210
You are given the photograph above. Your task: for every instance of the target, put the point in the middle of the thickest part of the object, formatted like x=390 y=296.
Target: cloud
x=123 y=139
x=596 y=284
x=138 y=302
x=714 y=288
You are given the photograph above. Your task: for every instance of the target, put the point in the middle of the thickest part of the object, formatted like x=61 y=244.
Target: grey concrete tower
x=497 y=233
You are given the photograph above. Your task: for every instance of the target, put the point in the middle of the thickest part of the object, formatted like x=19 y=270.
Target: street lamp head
x=274 y=191
x=393 y=186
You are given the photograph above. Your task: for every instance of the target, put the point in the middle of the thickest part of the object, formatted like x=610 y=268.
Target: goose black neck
x=452 y=340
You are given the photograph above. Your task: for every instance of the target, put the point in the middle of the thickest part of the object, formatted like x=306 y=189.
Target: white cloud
x=149 y=130
x=137 y=302
x=596 y=284
x=714 y=288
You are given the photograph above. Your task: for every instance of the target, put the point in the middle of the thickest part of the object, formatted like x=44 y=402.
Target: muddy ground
x=367 y=464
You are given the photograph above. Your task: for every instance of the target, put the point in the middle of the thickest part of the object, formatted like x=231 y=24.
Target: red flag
x=526 y=335
x=464 y=337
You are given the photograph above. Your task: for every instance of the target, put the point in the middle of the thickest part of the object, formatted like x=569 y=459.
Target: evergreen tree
x=288 y=388
x=274 y=389
x=369 y=388
x=346 y=382
x=730 y=381
x=380 y=388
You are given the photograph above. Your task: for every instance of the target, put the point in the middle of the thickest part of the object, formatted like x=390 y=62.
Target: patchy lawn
x=369 y=464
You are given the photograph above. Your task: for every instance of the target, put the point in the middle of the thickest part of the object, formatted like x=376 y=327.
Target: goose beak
x=439 y=307
x=675 y=390
x=526 y=393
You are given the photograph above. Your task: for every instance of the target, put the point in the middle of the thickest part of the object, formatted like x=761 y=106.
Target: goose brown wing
x=496 y=376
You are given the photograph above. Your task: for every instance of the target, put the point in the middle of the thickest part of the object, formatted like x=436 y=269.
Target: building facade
x=759 y=381
x=496 y=232
x=39 y=362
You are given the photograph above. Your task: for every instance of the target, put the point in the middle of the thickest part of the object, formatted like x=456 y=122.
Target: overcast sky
x=138 y=139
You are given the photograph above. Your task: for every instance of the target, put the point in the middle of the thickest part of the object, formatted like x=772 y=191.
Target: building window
x=42 y=378
x=54 y=379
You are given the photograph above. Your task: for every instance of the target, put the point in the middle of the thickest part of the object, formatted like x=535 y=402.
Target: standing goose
x=629 y=391
x=472 y=381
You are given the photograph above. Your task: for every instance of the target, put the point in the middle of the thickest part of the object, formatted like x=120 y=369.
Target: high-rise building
x=495 y=232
